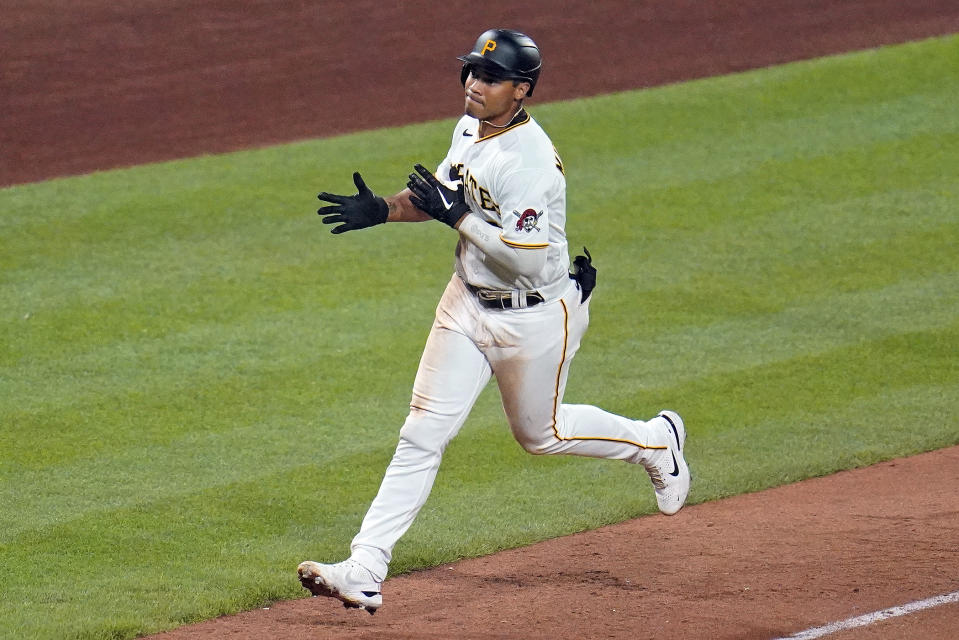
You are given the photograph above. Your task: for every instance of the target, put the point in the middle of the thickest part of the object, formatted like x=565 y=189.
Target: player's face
x=492 y=99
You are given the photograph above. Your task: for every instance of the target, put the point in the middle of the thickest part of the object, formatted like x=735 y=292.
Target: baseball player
x=512 y=310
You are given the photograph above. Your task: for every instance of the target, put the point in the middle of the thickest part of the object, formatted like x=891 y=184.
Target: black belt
x=504 y=299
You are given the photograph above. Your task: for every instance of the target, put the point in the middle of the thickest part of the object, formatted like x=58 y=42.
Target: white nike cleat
x=348 y=581
x=667 y=467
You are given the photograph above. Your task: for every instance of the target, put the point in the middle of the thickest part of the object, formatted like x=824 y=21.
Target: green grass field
x=201 y=387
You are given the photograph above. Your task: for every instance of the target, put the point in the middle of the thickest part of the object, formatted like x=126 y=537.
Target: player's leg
x=451 y=375
x=532 y=376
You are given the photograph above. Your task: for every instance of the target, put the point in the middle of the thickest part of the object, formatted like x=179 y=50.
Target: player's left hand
x=436 y=199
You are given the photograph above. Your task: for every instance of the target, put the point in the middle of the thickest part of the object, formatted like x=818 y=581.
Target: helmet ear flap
x=465 y=72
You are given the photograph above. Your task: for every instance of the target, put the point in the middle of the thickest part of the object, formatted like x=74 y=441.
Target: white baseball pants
x=529 y=352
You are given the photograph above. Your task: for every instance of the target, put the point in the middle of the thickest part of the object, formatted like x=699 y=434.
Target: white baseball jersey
x=513 y=179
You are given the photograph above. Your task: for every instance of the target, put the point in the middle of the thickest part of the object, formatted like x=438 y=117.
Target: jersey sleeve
x=524 y=208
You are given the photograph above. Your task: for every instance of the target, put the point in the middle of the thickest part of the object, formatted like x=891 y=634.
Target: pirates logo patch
x=527 y=221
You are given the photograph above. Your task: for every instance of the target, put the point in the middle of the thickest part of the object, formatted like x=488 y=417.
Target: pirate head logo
x=527 y=221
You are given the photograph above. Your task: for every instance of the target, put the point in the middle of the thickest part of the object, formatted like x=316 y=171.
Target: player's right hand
x=432 y=197
x=365 y=209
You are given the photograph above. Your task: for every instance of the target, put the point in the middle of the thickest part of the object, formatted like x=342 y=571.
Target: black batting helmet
x=504 y=53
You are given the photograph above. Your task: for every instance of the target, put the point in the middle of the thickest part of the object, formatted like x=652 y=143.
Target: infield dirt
x=95 y=85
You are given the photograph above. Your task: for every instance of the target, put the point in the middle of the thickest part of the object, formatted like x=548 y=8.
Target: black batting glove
x=432 y=197
x=584 y=273
x=363 y=210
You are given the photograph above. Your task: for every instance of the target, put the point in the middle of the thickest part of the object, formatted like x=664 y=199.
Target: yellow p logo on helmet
x=489 y=46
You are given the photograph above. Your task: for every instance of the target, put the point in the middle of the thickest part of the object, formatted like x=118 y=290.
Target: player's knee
x=426 y=431
x=537 y=446
x=539 y=440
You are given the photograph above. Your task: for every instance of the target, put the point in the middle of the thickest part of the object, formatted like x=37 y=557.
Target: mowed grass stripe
x=808 y=254
x=741 y=105
x=689 y=353
x=200 y=546
x=837 y=138
x=150 y=357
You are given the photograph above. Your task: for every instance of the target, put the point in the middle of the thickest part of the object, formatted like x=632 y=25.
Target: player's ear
x=520 y=89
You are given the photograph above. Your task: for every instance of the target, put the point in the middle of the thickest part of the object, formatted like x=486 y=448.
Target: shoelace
x=656 y=476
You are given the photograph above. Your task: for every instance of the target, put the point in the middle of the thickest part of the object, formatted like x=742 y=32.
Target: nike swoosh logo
x=467 y=134
x=448 y=205
x=675 y=471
